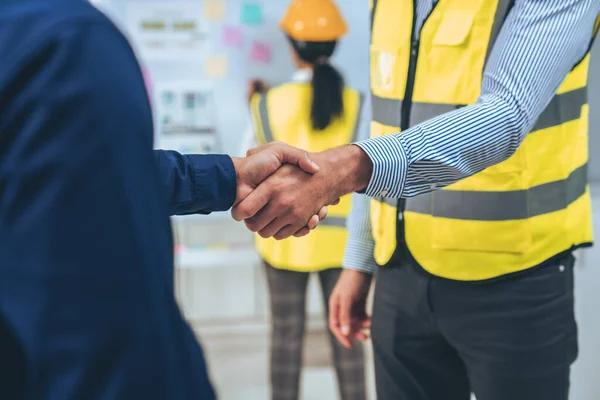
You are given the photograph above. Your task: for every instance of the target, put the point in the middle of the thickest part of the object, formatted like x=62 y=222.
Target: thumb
x=292 y=155
x=259 y=149
x=345 y=317
x=308 y=165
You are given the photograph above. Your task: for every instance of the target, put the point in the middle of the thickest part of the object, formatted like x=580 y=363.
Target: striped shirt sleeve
x=538 y=45
x=360 y=245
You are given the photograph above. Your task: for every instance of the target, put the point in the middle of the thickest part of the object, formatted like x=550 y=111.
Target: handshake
x=283 y=191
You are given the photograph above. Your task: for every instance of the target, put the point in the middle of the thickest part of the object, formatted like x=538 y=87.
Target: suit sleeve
x=196 y=184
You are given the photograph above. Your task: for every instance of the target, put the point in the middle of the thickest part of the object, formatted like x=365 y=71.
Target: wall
x=585 y=382
x=352 y=56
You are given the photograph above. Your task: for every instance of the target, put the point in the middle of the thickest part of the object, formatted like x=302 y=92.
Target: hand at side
x=348 y=318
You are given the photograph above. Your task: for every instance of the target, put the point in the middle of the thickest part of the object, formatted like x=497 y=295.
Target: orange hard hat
x=314 y=21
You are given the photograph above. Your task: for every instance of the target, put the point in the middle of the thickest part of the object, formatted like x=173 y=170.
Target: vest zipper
x=407 y=103
x=410 y=83
x=401 y=251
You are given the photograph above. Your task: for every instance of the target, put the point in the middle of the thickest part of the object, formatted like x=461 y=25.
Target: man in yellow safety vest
x=475 y=293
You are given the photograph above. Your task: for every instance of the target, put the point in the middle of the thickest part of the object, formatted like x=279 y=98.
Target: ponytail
x=327 y=96
x=327 y=83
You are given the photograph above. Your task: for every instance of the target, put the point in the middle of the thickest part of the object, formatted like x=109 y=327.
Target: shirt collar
x=302 y=75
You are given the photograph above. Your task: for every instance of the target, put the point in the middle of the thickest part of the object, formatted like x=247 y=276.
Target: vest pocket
x=453 y=57
x=514 y=237
x=455 y=28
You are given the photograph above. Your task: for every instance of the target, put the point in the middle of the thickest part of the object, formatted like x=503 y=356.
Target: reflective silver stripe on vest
x=386 y=111
x=264 y=118
x=562 y=108
x=357 y=122
x=338 y=222
x=421 y=112
x=266 y=124
x=502 y=206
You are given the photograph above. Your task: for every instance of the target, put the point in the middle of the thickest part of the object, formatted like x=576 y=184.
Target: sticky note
x=260 y=52
x=232 y=36
x=214 y=10
x=216 y=66
x=147 y=80
x=252 y=14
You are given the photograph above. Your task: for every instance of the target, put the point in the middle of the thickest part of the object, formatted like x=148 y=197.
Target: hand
x=258 y=166
x=283 y=203
x=347 y=307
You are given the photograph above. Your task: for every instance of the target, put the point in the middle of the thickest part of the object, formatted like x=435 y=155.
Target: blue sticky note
x=252 y=14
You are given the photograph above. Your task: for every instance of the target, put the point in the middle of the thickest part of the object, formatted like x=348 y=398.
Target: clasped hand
x=284 y=191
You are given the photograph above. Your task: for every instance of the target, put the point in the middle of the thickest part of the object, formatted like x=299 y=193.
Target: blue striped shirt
x=537 y=47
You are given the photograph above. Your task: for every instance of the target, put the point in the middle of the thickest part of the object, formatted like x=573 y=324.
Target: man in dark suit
x=87 y=306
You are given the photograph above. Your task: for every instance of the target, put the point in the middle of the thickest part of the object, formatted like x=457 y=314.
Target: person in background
x=315 y=112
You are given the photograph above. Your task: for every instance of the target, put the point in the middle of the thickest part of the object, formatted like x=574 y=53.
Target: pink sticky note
x=232 y=36
x=260 y=52
x=147 y=80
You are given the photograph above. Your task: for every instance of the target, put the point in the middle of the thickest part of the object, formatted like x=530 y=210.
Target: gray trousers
x=287 y=291
x=509 y=338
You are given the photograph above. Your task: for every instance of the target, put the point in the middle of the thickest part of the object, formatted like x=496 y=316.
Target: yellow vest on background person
x=511 y=216
x=283 y=114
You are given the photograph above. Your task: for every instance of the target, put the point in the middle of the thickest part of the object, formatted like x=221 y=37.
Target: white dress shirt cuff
x=390 y=164
x=359 y=256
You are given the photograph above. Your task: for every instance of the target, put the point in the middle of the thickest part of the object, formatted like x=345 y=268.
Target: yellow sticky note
x=216 y=66
x=214 y=10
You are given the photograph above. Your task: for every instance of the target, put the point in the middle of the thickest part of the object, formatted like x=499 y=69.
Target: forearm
x=196 y=184
x=360 y=245
x=445 y=149
x=539 y=44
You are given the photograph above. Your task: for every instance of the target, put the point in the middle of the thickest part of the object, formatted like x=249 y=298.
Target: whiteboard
x=229 y=89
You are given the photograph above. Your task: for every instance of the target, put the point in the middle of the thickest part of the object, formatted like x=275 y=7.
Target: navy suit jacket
x=87 y=304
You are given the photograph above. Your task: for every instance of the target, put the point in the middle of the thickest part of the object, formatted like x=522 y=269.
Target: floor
x=238 y=363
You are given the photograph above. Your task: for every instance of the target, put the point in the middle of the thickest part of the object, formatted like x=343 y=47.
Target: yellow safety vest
x=283 y=114
x=509 y=217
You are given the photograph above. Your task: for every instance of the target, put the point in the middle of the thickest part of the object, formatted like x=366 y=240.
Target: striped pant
x=287 y=291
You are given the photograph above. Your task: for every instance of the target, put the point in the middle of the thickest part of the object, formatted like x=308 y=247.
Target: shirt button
x=400 y=216
x=384 y=192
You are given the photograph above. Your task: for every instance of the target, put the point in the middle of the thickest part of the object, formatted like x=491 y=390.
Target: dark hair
x=327 y=83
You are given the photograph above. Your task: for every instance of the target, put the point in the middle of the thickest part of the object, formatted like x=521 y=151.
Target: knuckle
x=288 y=200
x=281 y=236
x=296 y=214
x=235 y=215
x=251 y=225
x=245 y=210
x=346 y=299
